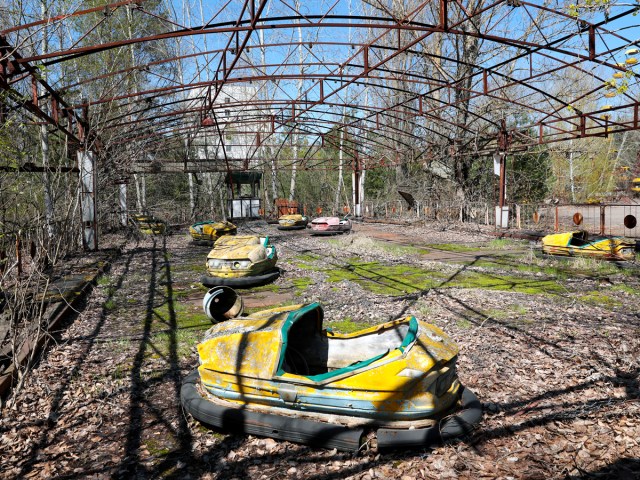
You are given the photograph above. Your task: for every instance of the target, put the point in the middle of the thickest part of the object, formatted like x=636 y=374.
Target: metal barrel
x=222 y=303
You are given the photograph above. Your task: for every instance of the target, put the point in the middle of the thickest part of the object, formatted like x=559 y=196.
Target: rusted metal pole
x=602 y=219
x=19 y=253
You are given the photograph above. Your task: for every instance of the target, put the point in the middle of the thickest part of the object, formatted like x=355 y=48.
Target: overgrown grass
x=185 y=341
x=452 y=247
x=504 y=243
x=463 y=323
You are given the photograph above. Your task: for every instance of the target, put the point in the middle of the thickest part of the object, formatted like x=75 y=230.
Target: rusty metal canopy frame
x=398 y=82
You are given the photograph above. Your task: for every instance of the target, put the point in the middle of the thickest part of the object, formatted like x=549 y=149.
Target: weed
x=156 y=449
x=121 y=371
x=464 y=323
x=503 y=244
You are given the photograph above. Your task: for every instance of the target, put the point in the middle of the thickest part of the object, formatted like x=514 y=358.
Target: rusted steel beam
x=31 y=167
x=33 y=107
x=444 y=14
x=246 y=26
x=78 y=13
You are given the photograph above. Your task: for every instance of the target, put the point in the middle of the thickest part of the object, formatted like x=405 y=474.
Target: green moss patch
x=301 y=284
x=187 y=316
x=307 y=257
x=346 y=325
x=271 y=287
x=625 y=289
x=595 y=297
x=156 y=448
x=532 y=286
x=383 y=279
x=402 y=279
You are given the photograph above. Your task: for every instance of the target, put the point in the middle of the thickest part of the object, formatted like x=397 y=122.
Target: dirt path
x=557 y=373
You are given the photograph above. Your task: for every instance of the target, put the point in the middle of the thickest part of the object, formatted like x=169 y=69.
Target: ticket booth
x=243 y=194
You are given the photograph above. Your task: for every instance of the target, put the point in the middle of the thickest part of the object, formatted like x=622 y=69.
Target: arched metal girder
x=449 y=71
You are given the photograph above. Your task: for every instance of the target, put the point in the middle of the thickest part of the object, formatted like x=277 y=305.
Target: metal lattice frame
x=440 y=79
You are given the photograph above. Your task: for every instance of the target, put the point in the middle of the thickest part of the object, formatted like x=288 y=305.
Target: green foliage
x=377 y=182
x=575 y=9
x=529 y=176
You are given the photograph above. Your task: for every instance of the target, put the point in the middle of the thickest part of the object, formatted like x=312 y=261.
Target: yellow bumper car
x=278 y=373
x=207 y=232
x=581 y=243
x=241 y=261
x=293 y=222
x=148 y=224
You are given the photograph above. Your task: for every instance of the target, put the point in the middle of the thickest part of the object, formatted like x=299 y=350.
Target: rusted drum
x=222 y=303
x=630 y=221
x=577 y=218
x=536 y=217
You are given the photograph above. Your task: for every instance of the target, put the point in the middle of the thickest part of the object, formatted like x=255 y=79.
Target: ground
x=550 y=346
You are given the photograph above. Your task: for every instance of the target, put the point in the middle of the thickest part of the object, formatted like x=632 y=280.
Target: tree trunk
x=49 y=209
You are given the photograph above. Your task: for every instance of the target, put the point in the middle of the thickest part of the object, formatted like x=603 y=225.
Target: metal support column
x=355 y=179
x=122 y=203
x=86 y=163
x=502 y=210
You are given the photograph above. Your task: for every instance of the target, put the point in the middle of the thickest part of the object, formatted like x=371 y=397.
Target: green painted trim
x=411 y=335
x=286 y=325
x=408 y=339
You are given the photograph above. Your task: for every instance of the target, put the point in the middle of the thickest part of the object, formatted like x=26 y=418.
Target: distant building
x=242 y=125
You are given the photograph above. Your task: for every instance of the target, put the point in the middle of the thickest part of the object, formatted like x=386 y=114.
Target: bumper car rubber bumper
x=321 y=434
x=241 y=282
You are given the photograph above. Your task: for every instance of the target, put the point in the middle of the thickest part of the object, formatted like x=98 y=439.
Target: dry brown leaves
x=558 y=379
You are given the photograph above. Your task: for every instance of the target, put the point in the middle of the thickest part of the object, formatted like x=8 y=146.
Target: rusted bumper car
x=278 y=373
x=148 y=224
x=581 y=243
x=293 y=222
x=241 y=261
x=207 y=232
x=330 y=225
